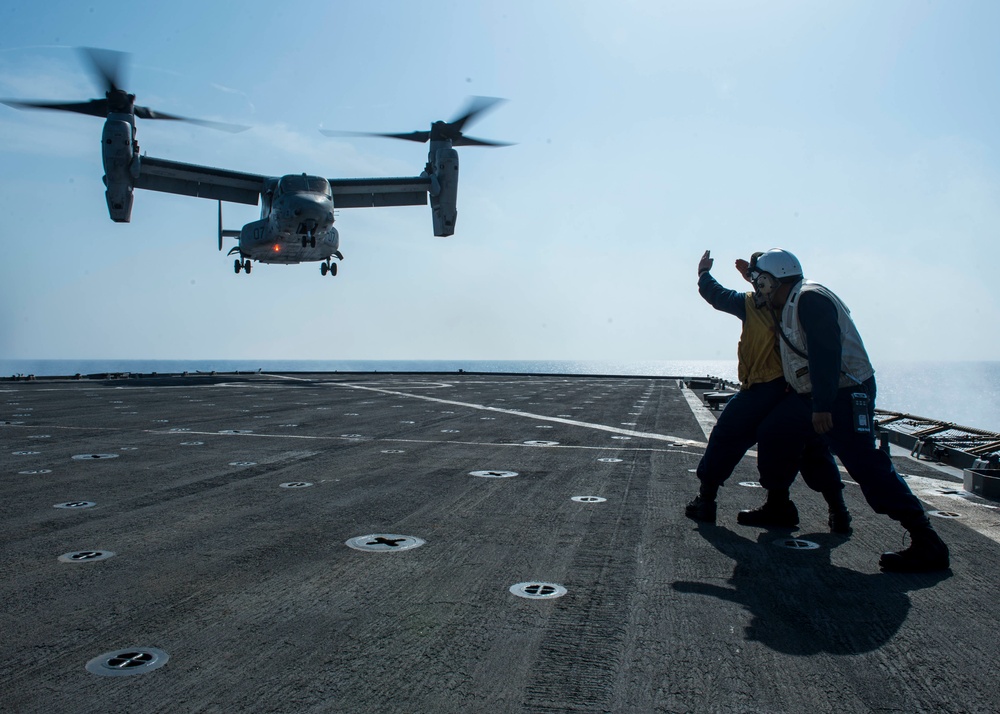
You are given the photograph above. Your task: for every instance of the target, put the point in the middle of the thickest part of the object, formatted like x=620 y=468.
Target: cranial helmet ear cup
x=765 y=284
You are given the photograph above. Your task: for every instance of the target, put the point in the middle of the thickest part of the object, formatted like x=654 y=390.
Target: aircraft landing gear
x=328 y=267
x=242 y=265
x=237 y=266
x=247 y=266
x=309 y=240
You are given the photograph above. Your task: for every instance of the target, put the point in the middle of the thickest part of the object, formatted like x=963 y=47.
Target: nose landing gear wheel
x=323 y=269
x=328 y=267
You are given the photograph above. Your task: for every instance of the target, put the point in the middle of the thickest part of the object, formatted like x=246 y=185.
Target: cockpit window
x=300 y=184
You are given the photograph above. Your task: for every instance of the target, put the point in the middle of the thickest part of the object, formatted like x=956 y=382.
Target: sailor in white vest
x=825 y=363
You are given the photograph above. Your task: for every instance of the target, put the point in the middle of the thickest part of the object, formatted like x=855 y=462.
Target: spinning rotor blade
x=95 y=107
x=147 y=113
x=107 y=68
x=442 y=130
x=419 y=136
x=477 y=106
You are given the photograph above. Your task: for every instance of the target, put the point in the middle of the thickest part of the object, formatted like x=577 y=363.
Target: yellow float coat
x=758 y=355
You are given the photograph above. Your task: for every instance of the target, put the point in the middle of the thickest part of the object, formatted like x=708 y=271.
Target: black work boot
x=701 y=509
x=773 y=514
x=840 y=521
x=840 y=517
x=927 y=553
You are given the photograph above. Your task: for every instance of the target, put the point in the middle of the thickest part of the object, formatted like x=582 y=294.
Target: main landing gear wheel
x=328 y=267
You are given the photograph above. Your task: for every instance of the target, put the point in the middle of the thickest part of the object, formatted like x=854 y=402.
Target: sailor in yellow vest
x=762 y=387
x=825 y=363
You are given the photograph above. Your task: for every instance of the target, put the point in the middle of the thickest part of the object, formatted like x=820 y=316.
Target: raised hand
x=706 y=262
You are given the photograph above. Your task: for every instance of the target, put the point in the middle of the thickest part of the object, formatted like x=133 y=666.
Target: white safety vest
x=855 y=367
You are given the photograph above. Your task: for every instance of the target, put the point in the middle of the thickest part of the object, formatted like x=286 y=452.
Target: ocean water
x=966 y=393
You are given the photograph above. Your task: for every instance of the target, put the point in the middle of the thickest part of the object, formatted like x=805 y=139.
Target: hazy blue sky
x=862 y=136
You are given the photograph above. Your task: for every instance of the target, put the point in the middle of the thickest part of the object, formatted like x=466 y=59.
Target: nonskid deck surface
x=228 y=504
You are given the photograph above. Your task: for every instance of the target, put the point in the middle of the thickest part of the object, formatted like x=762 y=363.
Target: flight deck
x=374 y=542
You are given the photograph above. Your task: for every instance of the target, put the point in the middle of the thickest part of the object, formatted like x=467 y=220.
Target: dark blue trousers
x=736 y=431
x=790 y=422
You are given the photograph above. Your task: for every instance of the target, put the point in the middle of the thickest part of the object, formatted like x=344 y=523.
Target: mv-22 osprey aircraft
x=297 y=211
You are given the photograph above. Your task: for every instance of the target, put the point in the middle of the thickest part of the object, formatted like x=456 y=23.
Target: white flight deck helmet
x=772 y=268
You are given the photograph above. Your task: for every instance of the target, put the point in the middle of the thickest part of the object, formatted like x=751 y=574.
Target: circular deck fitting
x=609 y=460
x=493 y=474
x=89 y=457
x=565 y=416
x=944 y=514
x=347 y=414
x=393 y=451
x=40 y=436
x=192 y=443
x=236 y=431
x=27 y=453
x=796 y=544
x=622 y=438
x=242 y=463
x=541 y=443
x=11 y=423
x=588 y=499
x=487 y=418
x=353 y=436
x=75 y=504
x=85 y=556
x=161 y=421
x=287 y=426
x=543 y=426
x=384 y=542
x=177 y=429
x=35 y=472
x=296 y=484
x=407 y=422
x=129 y=448
x=751 y=484
x=451 y=431
x=628 y=423
x=123 y=663
x=538 y=591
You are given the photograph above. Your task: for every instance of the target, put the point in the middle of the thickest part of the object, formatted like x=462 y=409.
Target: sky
x=862 y=136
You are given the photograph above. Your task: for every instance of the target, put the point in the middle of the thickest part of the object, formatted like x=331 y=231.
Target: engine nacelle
x=119 y=154
x=444 y=201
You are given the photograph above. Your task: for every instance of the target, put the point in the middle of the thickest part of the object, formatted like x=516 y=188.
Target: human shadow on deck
x=802 y=604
